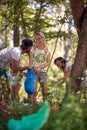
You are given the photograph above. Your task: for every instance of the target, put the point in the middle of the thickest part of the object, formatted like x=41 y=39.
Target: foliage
x=32 y=16
x=18 y=110
x=71 y=116
x=37 y=120
x=46 y=16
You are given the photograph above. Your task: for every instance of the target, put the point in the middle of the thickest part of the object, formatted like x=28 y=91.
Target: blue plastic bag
x=29 y=83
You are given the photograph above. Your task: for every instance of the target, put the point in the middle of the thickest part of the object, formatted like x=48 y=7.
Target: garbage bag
x=31 y=122
x=29 y=83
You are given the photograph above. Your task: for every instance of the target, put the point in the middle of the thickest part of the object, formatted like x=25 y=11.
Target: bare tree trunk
x=81 y=56
x=80 y=20
x=16 y=36
x=77 y=7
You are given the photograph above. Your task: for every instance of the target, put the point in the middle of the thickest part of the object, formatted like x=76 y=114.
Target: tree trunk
x=81 y=56
x=16 y=36
x=77 y=7
x=80 y=21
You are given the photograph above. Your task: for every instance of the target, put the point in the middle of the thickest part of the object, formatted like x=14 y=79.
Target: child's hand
x=54 y=108
x=37 y=70
x=30 y=67
x=55 y=80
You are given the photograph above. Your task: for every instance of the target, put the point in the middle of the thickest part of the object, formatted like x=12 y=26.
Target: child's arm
x=47 y=62
x=66 y=75
x=30 y=60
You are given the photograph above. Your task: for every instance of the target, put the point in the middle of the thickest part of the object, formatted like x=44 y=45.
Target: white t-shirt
x=7 y=54
x=39 y=58
x=68 y=64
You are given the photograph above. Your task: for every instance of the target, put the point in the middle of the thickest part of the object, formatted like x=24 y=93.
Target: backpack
x=29 y=83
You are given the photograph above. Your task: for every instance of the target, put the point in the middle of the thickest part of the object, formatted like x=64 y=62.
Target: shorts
x=4 y=73
x=41 y=77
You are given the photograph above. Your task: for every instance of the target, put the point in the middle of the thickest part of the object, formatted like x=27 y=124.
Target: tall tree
x=79 y=12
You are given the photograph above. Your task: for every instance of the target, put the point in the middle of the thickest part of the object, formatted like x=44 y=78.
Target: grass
x=71 y=114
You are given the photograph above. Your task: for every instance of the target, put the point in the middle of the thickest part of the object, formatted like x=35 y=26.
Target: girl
x=39 y=60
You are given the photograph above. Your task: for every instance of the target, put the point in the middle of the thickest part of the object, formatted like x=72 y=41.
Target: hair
x=26 y=43
x=42 y=35
x=61 y=60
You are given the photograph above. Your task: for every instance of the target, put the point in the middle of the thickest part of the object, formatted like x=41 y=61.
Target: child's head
x=39 y=37
x=60 y=63
x=26 y=45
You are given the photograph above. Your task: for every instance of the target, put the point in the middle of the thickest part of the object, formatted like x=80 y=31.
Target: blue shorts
x=4 y=73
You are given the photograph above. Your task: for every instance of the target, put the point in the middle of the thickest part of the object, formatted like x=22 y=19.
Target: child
x=65 y=66
x=12 y=56
x=39 y=60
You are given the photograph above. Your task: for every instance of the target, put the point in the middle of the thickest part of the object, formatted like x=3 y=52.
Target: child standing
x=39 y=60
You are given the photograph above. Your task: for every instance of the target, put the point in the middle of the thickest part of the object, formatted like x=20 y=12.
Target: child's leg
x=43 y=82
x=44 y=90
x=16 y=84
x=33 y=97
x=5 y=88
x=16 y=93
x=12 y=93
